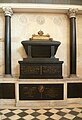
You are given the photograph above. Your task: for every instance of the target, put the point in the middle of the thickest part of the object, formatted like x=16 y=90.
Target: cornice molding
x=40 y=8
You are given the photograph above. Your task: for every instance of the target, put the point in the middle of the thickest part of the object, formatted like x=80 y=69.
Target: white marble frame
x=19 y=8
x=48 y=103
x=39 y=103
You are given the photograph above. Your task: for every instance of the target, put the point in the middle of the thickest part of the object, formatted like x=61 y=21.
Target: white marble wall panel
x=18 y=53
x=26 y=24
x=2 y=25
x=1 y=44
x=1 y=58
x=79 y=45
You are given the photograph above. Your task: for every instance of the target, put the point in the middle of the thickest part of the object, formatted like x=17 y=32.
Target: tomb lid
x=40 y=36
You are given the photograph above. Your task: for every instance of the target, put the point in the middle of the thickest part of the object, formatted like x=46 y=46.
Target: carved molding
x=72 y=12
x=8 y=11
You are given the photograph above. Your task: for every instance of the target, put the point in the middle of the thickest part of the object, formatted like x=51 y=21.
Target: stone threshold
x=11 y=103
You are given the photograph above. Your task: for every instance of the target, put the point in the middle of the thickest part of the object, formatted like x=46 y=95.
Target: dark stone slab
x=40 y=70
x=41 y=91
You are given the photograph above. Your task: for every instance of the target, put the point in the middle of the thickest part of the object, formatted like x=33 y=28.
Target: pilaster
x=7 y=44
x=73 y=52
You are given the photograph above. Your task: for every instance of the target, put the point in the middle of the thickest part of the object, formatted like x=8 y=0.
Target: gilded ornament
x=40 y=36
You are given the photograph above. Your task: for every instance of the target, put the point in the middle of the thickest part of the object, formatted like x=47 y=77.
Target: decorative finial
x=40 y=33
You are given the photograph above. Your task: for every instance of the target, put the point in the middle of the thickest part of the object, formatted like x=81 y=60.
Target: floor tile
x=42 y=114
x=42 y=117
x=65 y=110
x=53 y=110
x=48 y=114
x=77 y=118
x=14 y=117
x=69 y=116
x=80 y=115
x=28 y=117
x=56 y=117
x=77 y=109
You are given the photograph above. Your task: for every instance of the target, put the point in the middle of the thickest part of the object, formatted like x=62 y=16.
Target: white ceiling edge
x=31 y=7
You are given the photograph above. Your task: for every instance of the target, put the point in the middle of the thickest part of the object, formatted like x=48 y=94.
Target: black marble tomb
x=40 y=62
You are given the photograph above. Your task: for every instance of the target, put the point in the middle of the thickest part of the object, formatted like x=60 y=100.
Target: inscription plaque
x=41 y=91
x=40 y=70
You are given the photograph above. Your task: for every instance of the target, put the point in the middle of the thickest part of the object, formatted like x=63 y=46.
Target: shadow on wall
x=21 y=52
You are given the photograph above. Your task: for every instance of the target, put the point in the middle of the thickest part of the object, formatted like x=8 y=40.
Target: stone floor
x=70 y=113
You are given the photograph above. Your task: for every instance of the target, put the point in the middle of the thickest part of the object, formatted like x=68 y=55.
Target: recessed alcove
x=56 y=22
